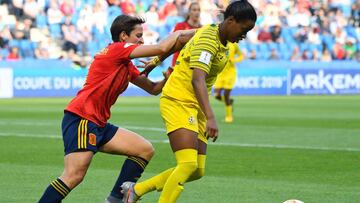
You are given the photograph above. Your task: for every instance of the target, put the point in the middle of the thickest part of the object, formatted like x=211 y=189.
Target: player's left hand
x=212 y=129
x=148 y=67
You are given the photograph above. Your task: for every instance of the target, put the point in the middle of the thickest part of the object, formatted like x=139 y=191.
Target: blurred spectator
x=181 y=7
x=340 y=35
x=168 y=8
x=314 y=36
x=18 y=32
x=273 y=55
x=54 y=14
x=355 y=14
x=99 y=16
x=319 y=24
x=17 y=8
x=252 y=54
x=209 y=12
x=14 y=54
x=326 y=56
x=305 y=55
x=296 y=54
x=31 y=9
x=71 y=38
x=150 y=36
x=5 y=36
x=140 y=7
x=192 y=21
x=301 y=35
x=42 y=52
x=315 y=55
x=264 y=34
x=152 y=16
x=127 y=7
x=350 y=48
x=27 y=27
x=84 y=36
x=67 y=7
x=339 y=51
x=276 y=34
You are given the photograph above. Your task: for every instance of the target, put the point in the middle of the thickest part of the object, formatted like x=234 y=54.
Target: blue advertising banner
x=261 y=81
x=52 y=82
x=325 y=81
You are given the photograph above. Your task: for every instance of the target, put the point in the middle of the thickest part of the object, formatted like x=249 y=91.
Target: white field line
x=55 y=136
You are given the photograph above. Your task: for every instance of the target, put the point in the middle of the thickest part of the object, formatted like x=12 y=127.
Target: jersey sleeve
x=122 y=50
x=203 y=52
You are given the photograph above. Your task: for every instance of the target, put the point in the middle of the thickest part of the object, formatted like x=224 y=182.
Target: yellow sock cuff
x=186 y=155
x=228 y=110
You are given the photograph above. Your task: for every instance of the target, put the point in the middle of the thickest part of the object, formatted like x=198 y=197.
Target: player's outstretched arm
x=180 y=43
x=174 y=41
x=149 y=86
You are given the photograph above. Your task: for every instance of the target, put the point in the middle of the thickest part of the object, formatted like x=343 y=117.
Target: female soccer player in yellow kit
x=226 y=80
x=185 y=106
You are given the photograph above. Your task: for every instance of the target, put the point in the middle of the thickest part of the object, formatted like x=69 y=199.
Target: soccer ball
x=293 y=201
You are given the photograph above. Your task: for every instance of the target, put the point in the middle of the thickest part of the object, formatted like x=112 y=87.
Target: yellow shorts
x=225 y=80
x=177 y=114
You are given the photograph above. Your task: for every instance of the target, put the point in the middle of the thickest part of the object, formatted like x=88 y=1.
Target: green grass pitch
x=278 y=148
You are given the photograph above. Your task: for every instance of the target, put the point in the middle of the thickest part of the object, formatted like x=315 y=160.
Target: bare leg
x=75 y=167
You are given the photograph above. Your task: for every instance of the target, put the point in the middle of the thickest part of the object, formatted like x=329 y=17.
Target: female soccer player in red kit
x=85 y=128
x=192 y=21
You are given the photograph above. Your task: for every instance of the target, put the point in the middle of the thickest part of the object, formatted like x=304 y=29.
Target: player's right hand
x=212 y=129
x=149 y=66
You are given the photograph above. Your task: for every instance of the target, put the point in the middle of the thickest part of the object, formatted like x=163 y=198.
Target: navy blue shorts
x=80 y=134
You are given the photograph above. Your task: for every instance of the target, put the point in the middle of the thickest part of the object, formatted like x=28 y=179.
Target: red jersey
x=109 y=75
x=180 y=26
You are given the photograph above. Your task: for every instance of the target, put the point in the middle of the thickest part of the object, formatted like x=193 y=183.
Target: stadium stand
x=299 y=30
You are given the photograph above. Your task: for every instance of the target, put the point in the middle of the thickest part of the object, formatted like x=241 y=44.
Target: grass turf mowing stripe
x=219 y=143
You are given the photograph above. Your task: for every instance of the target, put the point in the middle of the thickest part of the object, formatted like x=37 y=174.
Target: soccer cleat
x=129 y=193
x=111 y=199
x=229 y=119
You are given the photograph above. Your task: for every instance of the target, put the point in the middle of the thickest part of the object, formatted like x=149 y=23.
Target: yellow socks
x=228 y=116
x=186 y=166
x=200 y=172
x=155 y=183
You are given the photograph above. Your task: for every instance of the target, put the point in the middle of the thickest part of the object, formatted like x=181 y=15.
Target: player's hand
x=149 y=66
x=145 y=63
x=212 y=129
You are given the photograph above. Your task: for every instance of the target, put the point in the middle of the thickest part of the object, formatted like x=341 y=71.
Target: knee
x=147 y=151
x=72 y=179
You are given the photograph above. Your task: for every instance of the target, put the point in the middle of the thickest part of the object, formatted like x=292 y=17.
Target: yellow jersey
x=235 y=56
x=204 y=51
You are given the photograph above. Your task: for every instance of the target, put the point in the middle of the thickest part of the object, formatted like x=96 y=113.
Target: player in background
x=185 y=106
x=85 y=126
x=226 y=80
x=192 y=21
